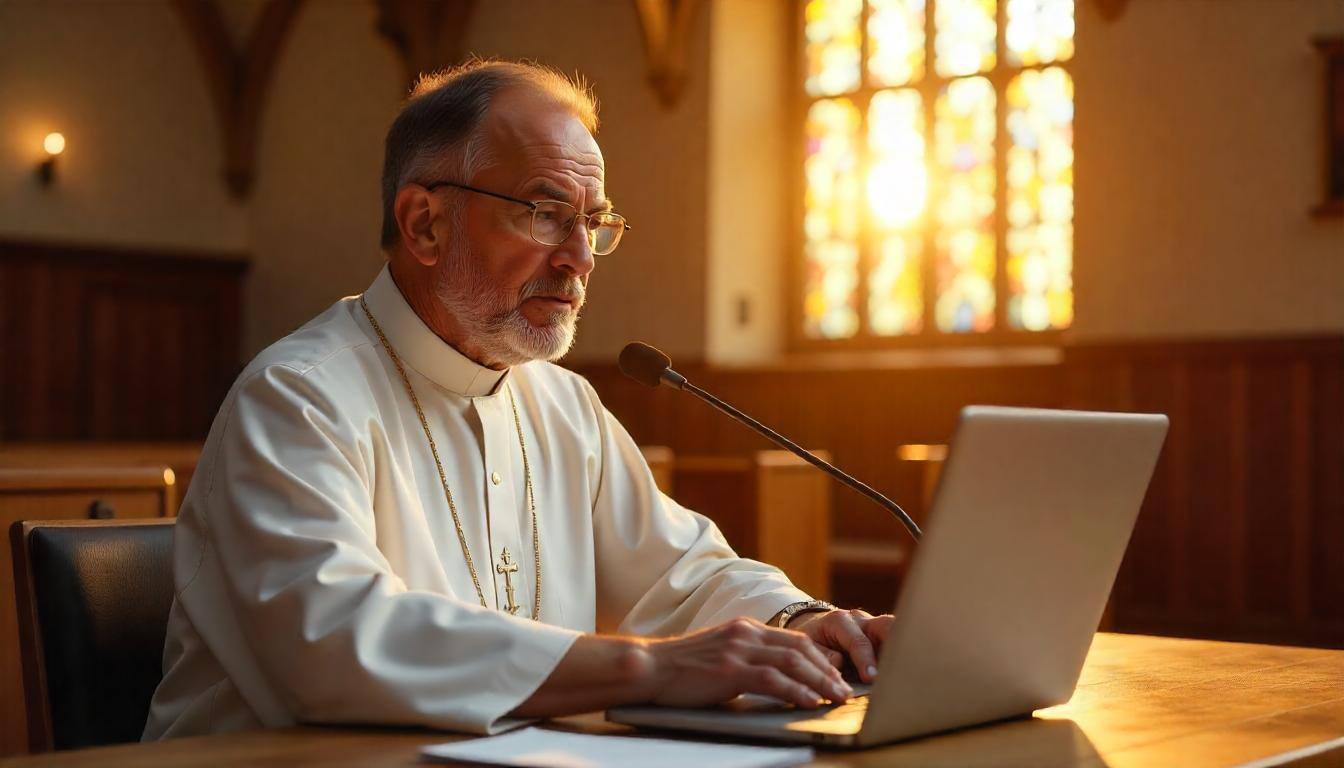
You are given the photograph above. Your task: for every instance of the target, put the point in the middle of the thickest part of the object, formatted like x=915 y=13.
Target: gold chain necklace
x=443 y=479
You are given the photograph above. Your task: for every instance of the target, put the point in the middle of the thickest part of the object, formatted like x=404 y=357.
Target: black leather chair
x=93 y=600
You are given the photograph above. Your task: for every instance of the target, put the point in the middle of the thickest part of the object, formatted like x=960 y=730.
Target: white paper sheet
x=540 y=748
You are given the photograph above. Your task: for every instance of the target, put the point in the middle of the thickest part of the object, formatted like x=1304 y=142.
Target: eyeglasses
x=553 y=220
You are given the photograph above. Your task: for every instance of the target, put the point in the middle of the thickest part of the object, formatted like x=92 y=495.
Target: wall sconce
x=54 y=144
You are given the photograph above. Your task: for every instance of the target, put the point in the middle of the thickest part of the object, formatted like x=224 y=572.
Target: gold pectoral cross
x=508 y=567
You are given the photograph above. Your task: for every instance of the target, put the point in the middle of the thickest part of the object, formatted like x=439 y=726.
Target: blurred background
x=851 y=218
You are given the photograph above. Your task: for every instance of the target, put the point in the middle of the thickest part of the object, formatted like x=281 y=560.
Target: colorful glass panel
x=895 y=41
x=897 y=196
x=1038 y=31
x=965 y=251
x=831 y=219
x=834 y=45
x=965 y=36
x=1040 y=200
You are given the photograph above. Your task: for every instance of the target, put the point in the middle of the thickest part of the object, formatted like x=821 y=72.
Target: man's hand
x=855 y=634
x=741 y=656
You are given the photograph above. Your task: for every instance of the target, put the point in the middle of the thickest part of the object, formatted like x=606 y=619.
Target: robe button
x=495 y=478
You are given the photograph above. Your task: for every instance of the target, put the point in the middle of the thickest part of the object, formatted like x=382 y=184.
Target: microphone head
x=644 y=363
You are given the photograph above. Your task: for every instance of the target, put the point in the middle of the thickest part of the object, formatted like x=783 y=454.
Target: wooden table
x=1142 y=701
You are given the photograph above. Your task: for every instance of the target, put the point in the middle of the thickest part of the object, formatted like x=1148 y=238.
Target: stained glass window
x=834 y=46
x=1040 y=200
x=831 y=219
x=967 y=32
x=896 y=41
x=1039 y=31
x=964 y=141
x=897 y=195
x=938 y=168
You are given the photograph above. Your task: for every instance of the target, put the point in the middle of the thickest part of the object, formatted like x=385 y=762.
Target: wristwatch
x=806 y=606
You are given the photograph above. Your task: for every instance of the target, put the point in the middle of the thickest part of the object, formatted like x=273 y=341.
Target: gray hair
x=437 y=135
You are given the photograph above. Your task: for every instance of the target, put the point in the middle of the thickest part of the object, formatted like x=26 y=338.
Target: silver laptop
x=1032 y=515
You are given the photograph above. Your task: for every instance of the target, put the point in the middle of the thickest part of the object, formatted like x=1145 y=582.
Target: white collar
x=421 y=348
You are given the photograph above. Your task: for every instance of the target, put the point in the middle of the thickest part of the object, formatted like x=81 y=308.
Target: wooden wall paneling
x=1174 y=464
x=1268 y=508
x=1243 y=493
x=1208 y=549
x=1327 y=484
x=1235 y=562
x=1145 y=579
x=137 y=327
x=112 y=343
x=1300 y=501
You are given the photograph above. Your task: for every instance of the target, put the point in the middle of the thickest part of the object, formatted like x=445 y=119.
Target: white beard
x=494 y=323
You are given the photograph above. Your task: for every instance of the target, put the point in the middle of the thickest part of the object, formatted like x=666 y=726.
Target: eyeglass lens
x=552 y=222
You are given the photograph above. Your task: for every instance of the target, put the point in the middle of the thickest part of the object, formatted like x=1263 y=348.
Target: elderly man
x=405 y=514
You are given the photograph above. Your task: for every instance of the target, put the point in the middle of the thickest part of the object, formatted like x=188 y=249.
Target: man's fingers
x=804 y=644
x=836 y=658
x=877 y=628
x=846 y=633
x=800 y=666
x=771 y=682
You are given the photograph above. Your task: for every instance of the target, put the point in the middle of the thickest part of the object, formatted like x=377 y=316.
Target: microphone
x=651 y=367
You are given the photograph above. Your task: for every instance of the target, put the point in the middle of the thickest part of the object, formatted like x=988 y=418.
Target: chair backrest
x=93 y=600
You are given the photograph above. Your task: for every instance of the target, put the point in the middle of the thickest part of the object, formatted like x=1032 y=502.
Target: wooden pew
x=659 y=458
x=771 y=506
x=62 y=493
x=181 y=457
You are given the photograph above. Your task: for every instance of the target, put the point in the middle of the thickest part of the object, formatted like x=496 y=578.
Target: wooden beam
x=238 y=80
x=666 y=27
x=427 y=34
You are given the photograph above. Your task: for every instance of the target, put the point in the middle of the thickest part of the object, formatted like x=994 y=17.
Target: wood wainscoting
x=100 y=343
x=1242 y=532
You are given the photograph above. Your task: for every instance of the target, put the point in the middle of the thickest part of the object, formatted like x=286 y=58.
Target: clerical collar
x=422 y=349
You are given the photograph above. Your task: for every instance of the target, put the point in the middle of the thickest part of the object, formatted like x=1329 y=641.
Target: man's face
x=516 y=299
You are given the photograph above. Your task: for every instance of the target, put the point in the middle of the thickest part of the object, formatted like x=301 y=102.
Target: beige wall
x=142 y=158
x=1199 y=152
x=1198 y=135
x=748 y=182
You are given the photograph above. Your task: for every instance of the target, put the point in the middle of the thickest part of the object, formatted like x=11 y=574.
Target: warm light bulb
x=54 y=143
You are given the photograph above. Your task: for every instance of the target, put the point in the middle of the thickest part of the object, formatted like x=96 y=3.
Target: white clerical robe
x=319 y=575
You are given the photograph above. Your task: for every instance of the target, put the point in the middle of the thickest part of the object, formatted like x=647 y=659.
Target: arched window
x=937 y=170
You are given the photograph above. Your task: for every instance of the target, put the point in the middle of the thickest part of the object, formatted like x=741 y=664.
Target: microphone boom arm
x=678 y=381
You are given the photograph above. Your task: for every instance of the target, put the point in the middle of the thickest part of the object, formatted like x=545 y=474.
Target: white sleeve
x=333 y=629
x=661 y=568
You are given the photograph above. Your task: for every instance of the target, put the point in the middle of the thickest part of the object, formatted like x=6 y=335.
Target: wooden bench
x=771 y=506
x=181 y=457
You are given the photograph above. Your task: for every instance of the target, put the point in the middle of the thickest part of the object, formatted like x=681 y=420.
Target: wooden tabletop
x=1142 y=701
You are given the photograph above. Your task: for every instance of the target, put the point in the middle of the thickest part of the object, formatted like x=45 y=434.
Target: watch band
x=805 y=606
